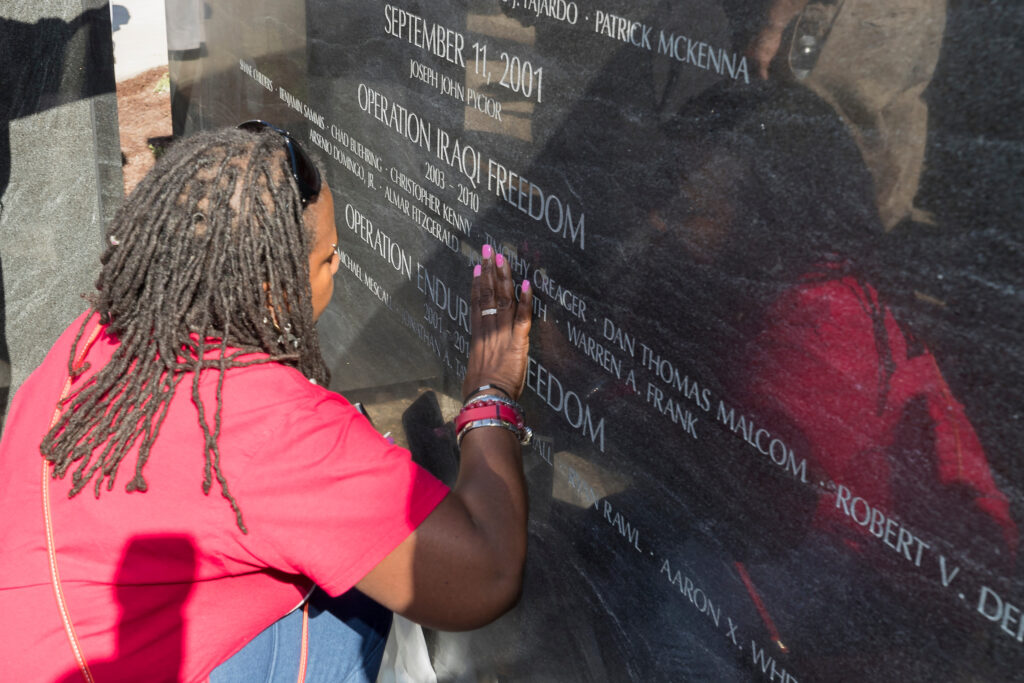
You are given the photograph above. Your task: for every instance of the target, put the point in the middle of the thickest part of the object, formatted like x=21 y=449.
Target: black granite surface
x=60 y=171
x=776 y=370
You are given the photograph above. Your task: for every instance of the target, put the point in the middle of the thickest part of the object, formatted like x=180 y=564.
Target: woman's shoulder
x=284 y=390
x=265 y=410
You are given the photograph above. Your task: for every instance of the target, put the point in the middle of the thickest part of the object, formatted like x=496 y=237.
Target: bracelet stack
x=492 y=410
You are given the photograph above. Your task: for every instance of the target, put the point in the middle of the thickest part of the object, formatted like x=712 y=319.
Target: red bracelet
x=496 y=411
x=496 y=401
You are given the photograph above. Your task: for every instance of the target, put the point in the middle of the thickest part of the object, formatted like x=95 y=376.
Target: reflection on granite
x=60 y=173
x=776 y=426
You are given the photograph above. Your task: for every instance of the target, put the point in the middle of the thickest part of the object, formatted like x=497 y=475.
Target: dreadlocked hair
x=207 y=262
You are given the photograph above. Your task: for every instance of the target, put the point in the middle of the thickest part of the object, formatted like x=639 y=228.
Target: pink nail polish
x=499 y=260
x=476 y=270
x=526 y=286
x=486 y=251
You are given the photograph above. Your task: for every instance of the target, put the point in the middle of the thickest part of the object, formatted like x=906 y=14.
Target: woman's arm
x=463 y=566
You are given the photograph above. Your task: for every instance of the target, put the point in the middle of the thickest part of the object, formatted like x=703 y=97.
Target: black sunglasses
x=303 y=169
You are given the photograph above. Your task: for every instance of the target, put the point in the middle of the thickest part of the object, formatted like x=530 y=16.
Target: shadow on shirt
x=147 y=615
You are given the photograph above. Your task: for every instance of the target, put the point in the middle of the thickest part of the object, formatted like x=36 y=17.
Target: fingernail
x=500 y=260
x=526 y=286
x=476 y=270
x=486 y=251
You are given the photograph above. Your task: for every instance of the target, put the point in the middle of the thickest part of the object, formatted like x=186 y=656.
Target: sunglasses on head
x=303 y=169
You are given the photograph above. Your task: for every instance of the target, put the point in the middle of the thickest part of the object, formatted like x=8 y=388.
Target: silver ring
x=489 y=311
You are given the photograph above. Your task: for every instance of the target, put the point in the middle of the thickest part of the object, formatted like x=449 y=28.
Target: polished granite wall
x=60 y=171
x=776 y=367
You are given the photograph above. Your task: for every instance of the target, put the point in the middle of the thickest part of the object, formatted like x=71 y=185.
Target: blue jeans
x=346 y=643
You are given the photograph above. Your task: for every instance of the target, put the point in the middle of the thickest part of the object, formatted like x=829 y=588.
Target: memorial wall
x=776 y=372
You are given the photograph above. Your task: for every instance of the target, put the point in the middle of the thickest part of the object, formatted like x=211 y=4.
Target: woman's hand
x=463 y=566
x=501 y=328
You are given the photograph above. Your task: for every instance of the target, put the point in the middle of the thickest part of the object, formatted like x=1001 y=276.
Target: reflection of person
x=200 y=369
x=877 y=415
x=874 y=60
x=776 y=223
x=824 y=352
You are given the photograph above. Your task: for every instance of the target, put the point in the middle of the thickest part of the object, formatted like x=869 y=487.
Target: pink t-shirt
x=162 y=585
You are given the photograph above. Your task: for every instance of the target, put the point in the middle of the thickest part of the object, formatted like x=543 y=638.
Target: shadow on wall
x=41 y=66
x=119 y=16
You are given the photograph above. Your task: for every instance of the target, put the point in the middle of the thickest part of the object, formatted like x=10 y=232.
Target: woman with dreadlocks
x=198 y=371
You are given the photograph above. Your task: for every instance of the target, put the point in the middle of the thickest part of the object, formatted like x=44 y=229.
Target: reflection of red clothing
x=820 y=363
x=163 y=581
